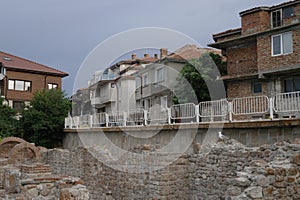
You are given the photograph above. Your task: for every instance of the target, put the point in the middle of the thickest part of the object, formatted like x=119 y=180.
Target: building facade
x=155 y=84
x=263 y=55
x=21 y=78
x=113 y=90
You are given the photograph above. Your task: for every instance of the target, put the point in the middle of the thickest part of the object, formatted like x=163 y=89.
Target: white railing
x=250 y=105
x=135 y=117
x=157 y=115
x=99 y=119
x=183 y=111
x=219 y=110
x=84 y=121
x=287 y=102
x=116 y=119
x=68 y=122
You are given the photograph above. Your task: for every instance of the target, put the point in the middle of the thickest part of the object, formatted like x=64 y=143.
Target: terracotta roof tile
x=17 y=63
x=189 y=52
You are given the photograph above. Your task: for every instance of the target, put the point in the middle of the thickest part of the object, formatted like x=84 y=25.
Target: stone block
x=254 y=192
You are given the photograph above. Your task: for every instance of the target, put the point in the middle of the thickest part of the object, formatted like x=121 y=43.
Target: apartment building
x=113 y=89
x=155 y=84
x=263 y=54
x=20 y=78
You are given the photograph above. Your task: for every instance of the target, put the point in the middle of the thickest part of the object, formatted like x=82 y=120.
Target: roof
x=227 y=33
x=266 y=8
x=138 y=60
x=21 y=64
x=189 y=52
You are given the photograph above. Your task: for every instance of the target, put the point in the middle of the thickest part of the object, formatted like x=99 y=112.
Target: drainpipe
x=45 y=82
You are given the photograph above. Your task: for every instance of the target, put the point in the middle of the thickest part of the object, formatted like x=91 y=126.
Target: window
x=276 y=18
x=52 y=86
x=292 y=84
x=18 y=105
x=159 y=74
x=164 y=102
x=282 y=44
x=278 y=15
x=288 y=12
x=257 y=88
x=19 y=85
x=145 y=79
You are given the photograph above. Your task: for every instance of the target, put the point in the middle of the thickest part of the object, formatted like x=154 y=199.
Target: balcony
x=149 y=90
x=105 y=95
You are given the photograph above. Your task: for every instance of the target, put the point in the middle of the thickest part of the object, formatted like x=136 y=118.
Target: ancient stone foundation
x=24 y=175
x=227 y=170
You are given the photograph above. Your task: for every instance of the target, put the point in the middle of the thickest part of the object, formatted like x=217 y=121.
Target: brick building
x=20 y=78
x=263 y=55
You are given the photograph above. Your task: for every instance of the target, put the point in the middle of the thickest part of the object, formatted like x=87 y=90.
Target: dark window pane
x=276 y=45
x=276 y=18
x=288 y=12
x=257 y=88
x=297 y=84
x=288 y=85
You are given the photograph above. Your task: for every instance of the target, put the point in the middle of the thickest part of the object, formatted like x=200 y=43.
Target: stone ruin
x=24 y=175
x=228 y=170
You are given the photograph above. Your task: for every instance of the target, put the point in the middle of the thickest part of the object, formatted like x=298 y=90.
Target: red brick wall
x=265 y=59
x=291 y=19
x=242 y=60
x=244 y=89
x=38 y=82
x=255 y=22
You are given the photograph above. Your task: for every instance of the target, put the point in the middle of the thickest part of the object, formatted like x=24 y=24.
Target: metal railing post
x=169 y=115
x=71 y=122
x=106 y=120
x=91 y=121
x=197 y=113
x=230 y=111
x=77 y=122
x=124 y=119
x=271 y=108
x=145 y=117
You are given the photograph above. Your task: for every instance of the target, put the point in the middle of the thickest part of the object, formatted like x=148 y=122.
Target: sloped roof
x=189 y=52
x=21 y=64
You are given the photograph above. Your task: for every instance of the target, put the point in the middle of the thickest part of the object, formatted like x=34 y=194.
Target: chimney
x=133 y=56
x=163 y=52
x=155 y=56
x=146 y=55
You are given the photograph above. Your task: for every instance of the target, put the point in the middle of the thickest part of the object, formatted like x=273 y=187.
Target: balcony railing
x=283 y=104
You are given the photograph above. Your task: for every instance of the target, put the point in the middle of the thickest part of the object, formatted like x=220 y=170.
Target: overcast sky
x=61 y=33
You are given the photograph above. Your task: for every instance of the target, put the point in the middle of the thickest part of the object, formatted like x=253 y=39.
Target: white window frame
x=12 y=85
x=162 y=76
x=280 y=10
x=281 y=44
x=52 y=86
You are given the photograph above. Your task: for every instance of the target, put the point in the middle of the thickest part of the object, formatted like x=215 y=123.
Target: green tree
x=196 y=75
x=9 y=124
x=43 y=120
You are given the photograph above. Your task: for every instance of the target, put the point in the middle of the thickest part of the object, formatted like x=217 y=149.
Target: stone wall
x=227 y=170
x=25 y=176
